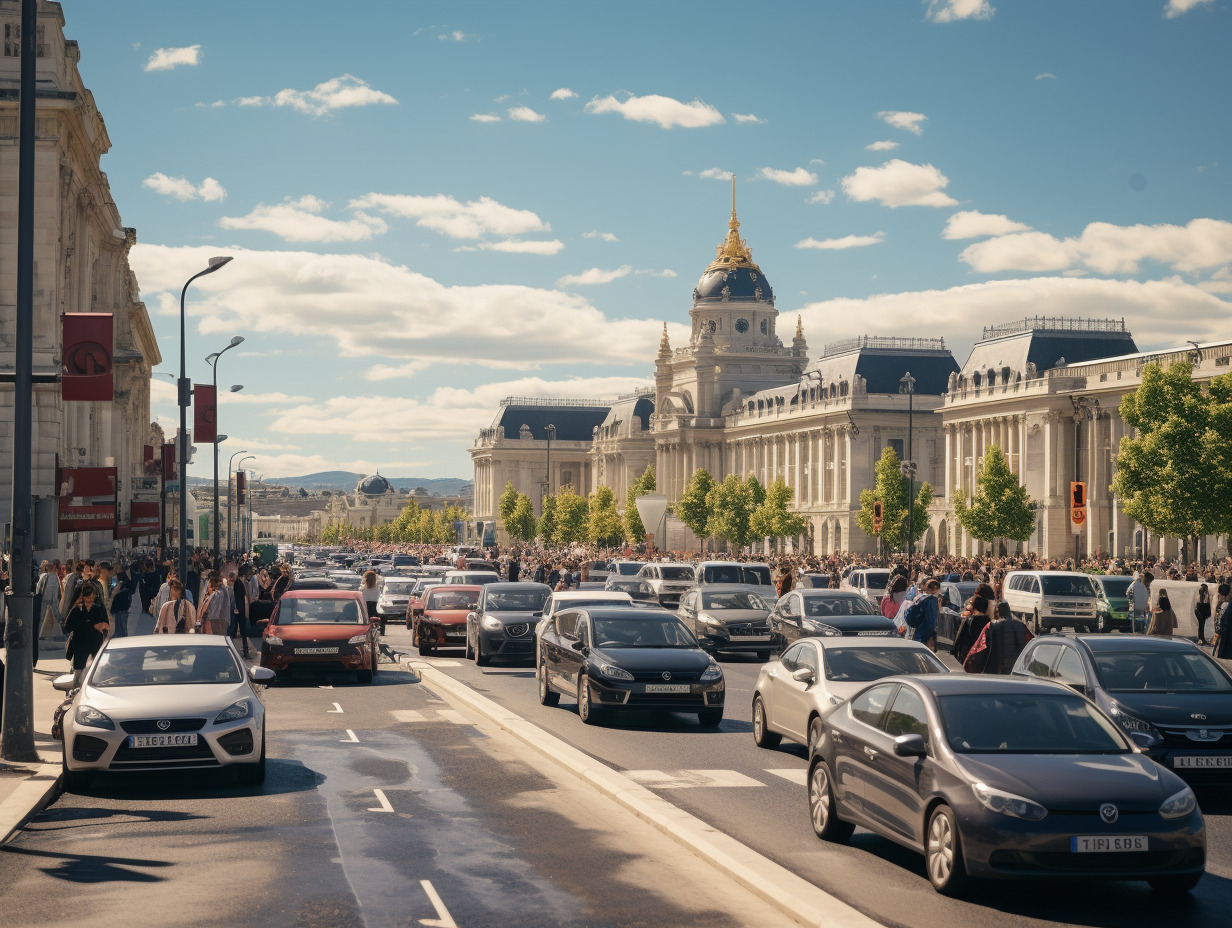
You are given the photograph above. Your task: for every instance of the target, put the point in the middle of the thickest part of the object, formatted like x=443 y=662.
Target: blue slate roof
x=573 y=423
x=743 y=284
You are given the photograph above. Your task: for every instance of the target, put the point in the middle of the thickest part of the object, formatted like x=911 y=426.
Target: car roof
x=625 y=612
x=450 y=587
x=517 y=585
x=319 y=594
x=816 y=593
x=965 y=684
x=582 y=596
x=733 y=588
x=1129 y=642
x=147 y=641
x=883 y=642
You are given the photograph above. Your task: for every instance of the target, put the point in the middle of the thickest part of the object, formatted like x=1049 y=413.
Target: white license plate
x=316 y=650
x=667 y=687
x=750 y=637
x=1098 y=844
x=1193 y=761
x=161 y=741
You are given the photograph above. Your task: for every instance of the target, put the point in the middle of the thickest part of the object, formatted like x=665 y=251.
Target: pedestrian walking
x=47 y=594
x=1202 y=611
x=215 y=612
x=893 y=600
x=1139 y=595
x=1000 y=643
x=371 y=592
x=1163 y=619
x=121 y=602
x=922 y=614
x=71 y=583
x=87 y=627
x=1222 y=647
x=177 y=615
x=239 y=607
x=977 y=614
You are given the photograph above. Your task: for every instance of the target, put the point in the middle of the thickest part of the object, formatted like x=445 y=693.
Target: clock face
x=712 y=326
x=742 y=325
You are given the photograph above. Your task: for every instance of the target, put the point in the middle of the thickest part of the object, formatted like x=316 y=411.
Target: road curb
x=32 y=795
x=790 y=894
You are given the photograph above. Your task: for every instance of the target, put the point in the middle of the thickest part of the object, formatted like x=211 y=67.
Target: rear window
x=1062 y=585
x=319 y=612
x=876 y=579
x=676 y=573
x=759 y=576
x=451 y=599
x=724 y=573
x=1116 y=586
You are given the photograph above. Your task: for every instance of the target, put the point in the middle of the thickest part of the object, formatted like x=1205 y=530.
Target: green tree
x=1001 y=507
x=757 y=489
x=731 y=505
x=771 y=519
x=693 y=510
x=603 y=524
x=521 y=524
x=547 y=519
x=635 y=532
x=890 y=488
x=571 y=514
x=505 y=504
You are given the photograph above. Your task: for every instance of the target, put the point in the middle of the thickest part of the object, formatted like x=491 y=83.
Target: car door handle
x=870 y=753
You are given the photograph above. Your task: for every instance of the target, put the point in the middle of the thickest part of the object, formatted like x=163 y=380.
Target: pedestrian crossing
x=429 y=715
x=695 y=779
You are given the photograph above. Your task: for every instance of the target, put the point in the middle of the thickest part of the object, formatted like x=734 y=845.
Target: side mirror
x=261 y=675
x=804 y=675
x=538 y=615
x=472 y=617
x=65 y=683
x=910 y=746
x=580 y=646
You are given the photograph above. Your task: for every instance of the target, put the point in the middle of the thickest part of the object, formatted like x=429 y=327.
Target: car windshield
x=723 y=573
x=422 y=585
x=452 y=599
x=628 y=568
x=1116 y=586
x=165 y=665
x=1027 y=723
x=734 y=600
x=637 y=589
x=859 y=665
x=1061 y=585
x=1159 y=671
x=398 y=587
x=518 y=601
x=294 y=611
x=677 y=573
x=876 y=579
x=347 y=582
x=666 y=632
x=837 y=605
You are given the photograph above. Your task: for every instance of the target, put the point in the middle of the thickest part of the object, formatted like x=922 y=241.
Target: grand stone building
x=80 y=266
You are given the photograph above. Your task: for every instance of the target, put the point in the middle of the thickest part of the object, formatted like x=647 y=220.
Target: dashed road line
x=336 y=710
x=350 y=738
x=688 y=779
x=795 y=774
x=443 y=919
x=384 y=803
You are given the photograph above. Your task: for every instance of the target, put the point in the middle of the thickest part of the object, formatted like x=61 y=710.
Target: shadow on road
x=94 y=868
x=282 y=776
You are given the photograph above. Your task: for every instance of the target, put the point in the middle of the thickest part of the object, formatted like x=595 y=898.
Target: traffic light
x=241 y=487
x=1077 y=503
x=878 y=513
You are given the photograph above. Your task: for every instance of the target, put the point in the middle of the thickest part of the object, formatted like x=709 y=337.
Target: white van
x=869 y=582
x=1048 y=599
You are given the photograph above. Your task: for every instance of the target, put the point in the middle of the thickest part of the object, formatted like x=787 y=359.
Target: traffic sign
x=1077 y=505
x=878 y=514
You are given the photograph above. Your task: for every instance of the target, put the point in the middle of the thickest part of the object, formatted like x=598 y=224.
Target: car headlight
x=493 y=624
x=821 y=628
x=711 y=673
x=1132 y=724
x=240 y=709
x=92 y=718
x=358 y=639
x=611 y=671
x=274 y=640
x=1179 y=805
x=995 y=800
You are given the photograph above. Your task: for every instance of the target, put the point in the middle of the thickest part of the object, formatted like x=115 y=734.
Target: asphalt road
x=397 y=810
x=758 y=797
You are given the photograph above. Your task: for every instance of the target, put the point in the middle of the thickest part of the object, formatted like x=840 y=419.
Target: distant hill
x=345 y=481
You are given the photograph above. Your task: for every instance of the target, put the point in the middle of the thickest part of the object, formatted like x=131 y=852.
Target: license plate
x=1202 y=760
x=316 y=650
x=667 y=687
x=1098 y=844
x=750 y=637
x=161 y=741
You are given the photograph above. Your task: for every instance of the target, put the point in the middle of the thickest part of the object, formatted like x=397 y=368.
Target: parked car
x=613 y=658
x=626 y=568
x=160 y=702
x=1112 y=608
x=869 y=582
x=997 y=777
x=1169 y=697
x=827 y=613
x=472 y=577
x=442 y=622
x=321 y=628
x=816 y=674
x=1048 y=599
x=503 y=623
x=812 y=580
x=728 y=619
x=670 y=581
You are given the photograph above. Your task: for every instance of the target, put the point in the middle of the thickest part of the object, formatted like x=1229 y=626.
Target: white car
x=670 y=581
x=565 y=598
x=165 y=702
x=869 y=582
x=472 y=577
x=816 y=674
x=395 y=594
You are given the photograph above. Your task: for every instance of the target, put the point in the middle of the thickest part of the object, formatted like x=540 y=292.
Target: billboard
x=86 y=365
x=205 y=413
x=87 y=498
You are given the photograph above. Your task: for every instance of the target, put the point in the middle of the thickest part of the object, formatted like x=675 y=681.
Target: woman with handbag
x=1163 y=619
x=87 y=626
x=177 y=614
x=215 y=613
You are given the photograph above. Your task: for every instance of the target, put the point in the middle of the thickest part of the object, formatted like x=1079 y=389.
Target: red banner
x=143 y=519
x=149 y=467
x=86 y=373
x=87 y=498
x=169 y=461
x=205 y=414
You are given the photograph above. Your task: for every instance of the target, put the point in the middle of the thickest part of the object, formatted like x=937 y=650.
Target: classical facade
x=373 y=503
x=81 y=266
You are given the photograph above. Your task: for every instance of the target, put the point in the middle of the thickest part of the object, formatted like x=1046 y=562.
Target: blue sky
x=435 y=205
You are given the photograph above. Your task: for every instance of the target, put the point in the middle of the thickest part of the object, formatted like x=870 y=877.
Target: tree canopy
x=890 y=488
x=1001 y=507
x=693 y=509
x=771 y=519
x=635 y=532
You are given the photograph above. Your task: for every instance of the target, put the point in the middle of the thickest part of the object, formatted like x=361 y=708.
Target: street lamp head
x=906 y=383
x=212 y=357
x=237 y=340
x=236 y=387
x=217 y=262
x=220 y=439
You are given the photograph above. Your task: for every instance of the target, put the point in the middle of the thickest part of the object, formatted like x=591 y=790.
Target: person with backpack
x=922 y=614
x=121 y=602
x=975 y=617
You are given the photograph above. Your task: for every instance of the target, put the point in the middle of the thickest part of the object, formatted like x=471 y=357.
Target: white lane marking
x=384 y=803
x=443 y=919
x=444 y=663
x=407 y=715
x=337 y=709
x=686 y=779
x=795 y=774
x=452 y=715
x=350 y=739
x=323 y=687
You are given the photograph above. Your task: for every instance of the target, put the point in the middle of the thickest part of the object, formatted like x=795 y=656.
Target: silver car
x=816 y=674
x=165 y=702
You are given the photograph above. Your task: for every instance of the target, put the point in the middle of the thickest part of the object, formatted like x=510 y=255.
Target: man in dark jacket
x=239 y=614
x=1003 y=640
x=514 y=570
x=121 y=602
x=925 y=629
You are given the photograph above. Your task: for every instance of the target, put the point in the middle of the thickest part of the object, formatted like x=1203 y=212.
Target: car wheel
x=76 y=781
x=425 y=647
x=814 y=734
x=375 y=662
x=822 y=808
x=710 y=718
x=547 y=695
x=763 y=737
x=481 y=659
x=943 y=853
x=1174 y=885
x=586 y=712
x=408 y=623
x=363 y=676
x=763 y=656
x=254 y=774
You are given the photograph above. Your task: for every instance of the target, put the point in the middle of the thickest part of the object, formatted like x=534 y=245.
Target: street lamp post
x=230 y=494
x=551 y=430
x=185 y=398
x=212 y=360
x=907 y=385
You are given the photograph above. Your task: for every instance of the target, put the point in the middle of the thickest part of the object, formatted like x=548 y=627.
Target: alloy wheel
x=940 y=849
x=819 y=797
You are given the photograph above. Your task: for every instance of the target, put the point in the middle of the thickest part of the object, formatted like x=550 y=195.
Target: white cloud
x=562 y=93
x=824 y=197
x=798 y=177
x=595 y=275
x=841 y=244
x=604 y=236
x=183 y=189
x=243 y=398
x=164 y=59
x=666 y=272
x=522 y=247
x=1177 y=8
x=747 y=118
x=1046 y=76
x=886 y=145
x=713 y=174
x=456 y=36
x=974 y=224
x=485 y=117
x=899 y=119
x=447 y=216
x=1105 y=248
x=899 y=183
x=525 y=114
x=326 y=97
x=216 y=105
x=948 y=11
x=300 y=221
x=666 y=112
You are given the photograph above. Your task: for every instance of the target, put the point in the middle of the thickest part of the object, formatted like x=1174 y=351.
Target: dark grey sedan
x=728 y=619
x=503 y=621
x=1002 y=778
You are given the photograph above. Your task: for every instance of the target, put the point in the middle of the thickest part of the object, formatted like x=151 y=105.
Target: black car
x=827 y=613
x=954 y=598
x=996 y=777
x=728 y=619
x=613 y=658
x=1168 y=696
x=503 y=622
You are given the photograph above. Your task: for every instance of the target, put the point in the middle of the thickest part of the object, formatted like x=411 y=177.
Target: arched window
x=1005 y=374
x=992 y=377
x=975 y=380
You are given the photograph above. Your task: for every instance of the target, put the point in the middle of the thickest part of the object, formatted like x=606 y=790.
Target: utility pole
x=17 y=725
x=907 y=385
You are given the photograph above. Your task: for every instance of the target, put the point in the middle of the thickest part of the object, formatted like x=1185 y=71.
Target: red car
x=414 y=605
x=442 y=623
x=322 y=628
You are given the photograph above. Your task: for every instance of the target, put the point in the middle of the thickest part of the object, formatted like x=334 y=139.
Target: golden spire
x=734 y=252
x=664 y=346
x=799 y=327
